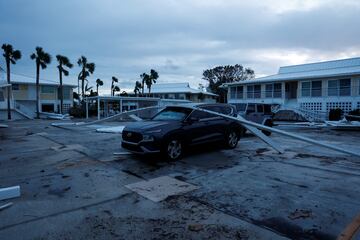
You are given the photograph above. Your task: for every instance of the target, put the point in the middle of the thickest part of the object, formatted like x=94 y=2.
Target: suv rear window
x=267 y=109
x=260 y=108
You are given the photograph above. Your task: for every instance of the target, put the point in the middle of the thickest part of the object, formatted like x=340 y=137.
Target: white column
x=87 y=108
x=98 y=108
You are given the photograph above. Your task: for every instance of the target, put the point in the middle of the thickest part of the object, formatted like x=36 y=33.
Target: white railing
x=24 y=110
x=310 y=115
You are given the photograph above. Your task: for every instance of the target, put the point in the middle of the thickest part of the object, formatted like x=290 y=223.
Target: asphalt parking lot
x=73 y=187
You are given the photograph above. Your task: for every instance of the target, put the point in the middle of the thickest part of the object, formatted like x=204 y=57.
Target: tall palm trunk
x=61 y=90
x=8 y=92
x=97 y=89
x=83 y=84
x=149 y=90
x=37 y=90
x=142 y=88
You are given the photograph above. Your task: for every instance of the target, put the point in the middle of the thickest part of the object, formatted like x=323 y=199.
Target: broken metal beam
x=247 y=123
x=9 y=192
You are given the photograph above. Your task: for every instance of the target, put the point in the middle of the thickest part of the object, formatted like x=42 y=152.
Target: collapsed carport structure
x=251 y=126
x=106 y=106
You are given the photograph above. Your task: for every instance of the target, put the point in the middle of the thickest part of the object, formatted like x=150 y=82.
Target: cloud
x=180 y=38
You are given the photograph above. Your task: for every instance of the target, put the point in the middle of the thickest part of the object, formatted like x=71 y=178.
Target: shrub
x=335 y=114
x=77 y=112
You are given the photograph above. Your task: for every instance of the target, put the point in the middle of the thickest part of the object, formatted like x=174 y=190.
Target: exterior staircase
x=299 y=114
x=23 y=110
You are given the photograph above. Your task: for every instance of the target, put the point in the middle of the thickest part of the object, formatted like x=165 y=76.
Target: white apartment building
x=316 y=87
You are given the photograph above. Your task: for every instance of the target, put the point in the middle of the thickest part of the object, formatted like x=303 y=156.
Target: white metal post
x=87 y=108
x=98 y=108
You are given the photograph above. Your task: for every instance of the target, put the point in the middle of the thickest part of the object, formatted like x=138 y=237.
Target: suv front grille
x=131 y=136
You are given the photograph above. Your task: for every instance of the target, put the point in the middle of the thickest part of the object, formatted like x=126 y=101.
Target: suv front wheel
x=231 y=139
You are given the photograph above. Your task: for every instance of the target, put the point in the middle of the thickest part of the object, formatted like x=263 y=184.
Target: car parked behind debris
x=176 y=128
x=256 y=112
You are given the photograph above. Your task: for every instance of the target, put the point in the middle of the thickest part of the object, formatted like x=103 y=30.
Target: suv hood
x=149 y=125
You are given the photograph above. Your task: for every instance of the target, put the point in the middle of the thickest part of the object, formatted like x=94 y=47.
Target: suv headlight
x=148 y=138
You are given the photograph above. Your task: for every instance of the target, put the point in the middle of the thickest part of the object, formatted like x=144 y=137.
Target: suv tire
x=232 y=138
x=267 y=123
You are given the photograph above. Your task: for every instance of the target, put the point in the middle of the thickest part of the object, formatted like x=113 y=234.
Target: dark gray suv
x=256 y=112
x=176 y=128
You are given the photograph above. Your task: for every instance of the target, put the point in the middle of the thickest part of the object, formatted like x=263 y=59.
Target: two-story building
x=315 y=87
x=23 y=97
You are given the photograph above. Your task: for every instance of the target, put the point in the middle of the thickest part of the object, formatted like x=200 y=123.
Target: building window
x=181 y=96
x=250 y=91
x=305 y=89
x=233 y=92
x=15 y=87
x=316 y=88
x=257 y=91
x=273 y=90
x=269 y=90
x=277 y=90
x=240 y=92
x=345 y=87
x=254 y=91
x=341 y=87
x=47 y=107
x=47 y=89
x=66 y=93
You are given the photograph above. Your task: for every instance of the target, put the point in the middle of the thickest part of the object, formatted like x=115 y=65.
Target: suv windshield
x=172 y=114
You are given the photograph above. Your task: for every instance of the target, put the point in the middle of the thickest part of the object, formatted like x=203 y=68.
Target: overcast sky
x=179 y=38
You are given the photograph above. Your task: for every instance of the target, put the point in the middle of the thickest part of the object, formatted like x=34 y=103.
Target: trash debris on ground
x=117 y=129
x=7 y=205
x=55 y=116
x=9 y=192
x=158 y=189
x=300 y=213
x=195 y=227
x=121 y=153
x=344 y=125
x=3 y=126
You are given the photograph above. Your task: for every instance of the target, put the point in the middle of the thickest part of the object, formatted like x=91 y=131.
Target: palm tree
x=137 y=88
x=11 y=56
x=42 y=59
x=113 y=79
x=63 y=63
x=151 y=79
x=144 y=78
x=86 y=70
x=98 y=83
x=87 y=89
x=115 y=89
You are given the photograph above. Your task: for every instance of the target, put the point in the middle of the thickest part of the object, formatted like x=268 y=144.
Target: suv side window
x=250 y=108
x=201 y=115
x=220 y=109
x=260 y=108
x=267 y=109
